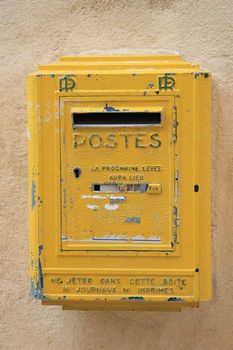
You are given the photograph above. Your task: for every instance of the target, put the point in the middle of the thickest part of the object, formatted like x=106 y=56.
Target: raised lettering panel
x=169 y=287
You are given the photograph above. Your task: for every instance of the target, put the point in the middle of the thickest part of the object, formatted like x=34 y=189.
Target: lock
x=119 y=182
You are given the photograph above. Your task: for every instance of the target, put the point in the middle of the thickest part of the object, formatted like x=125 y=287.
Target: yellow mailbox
x=119 y=177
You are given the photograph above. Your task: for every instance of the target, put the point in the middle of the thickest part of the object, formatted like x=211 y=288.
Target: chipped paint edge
x=33 y=181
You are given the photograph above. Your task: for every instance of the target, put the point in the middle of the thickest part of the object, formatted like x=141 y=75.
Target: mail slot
x=119 y=180
x=123 y=119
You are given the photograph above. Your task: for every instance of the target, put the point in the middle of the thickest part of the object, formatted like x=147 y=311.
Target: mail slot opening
x=116 y=119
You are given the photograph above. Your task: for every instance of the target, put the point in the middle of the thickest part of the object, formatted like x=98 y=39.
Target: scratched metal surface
x=75 y=230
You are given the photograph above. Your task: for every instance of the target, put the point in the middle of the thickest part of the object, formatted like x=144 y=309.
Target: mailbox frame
x=188 y=257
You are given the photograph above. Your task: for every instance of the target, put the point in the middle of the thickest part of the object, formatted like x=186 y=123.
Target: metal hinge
x=176 y=219
x=176 y=223
x=174 y=124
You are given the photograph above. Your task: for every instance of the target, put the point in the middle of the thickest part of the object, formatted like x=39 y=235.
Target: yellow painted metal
x=119 y=177
x=154 y=188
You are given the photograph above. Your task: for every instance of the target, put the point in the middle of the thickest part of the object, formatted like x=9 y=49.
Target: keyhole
x=77 y=172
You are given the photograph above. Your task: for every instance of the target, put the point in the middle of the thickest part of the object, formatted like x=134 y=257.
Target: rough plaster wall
x=34 y=32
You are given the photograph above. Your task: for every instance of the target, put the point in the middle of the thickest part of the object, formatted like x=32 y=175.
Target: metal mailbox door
x=117 y=174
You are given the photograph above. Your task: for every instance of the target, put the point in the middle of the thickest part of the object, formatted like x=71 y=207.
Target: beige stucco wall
x=34 y=32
